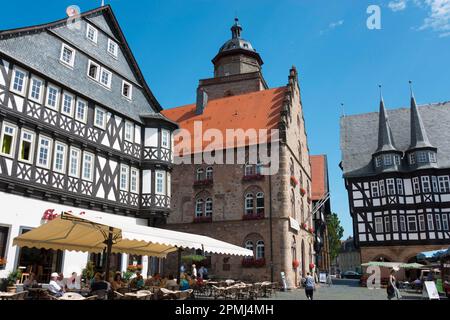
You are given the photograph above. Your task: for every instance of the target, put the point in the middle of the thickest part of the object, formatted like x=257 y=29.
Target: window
x=402 y=224
x=432 y=157
x=52 y=97
x=67 y=107
x=260 y=249
x=100 y=118
x=129 y=131
x=390 y=185
x=93 y=70
x=438 y=222
x=26 y=146
x=412 y=223
x=416 y=185
x=165 y=138
x=434 y=184
x=36 y=89
x=412 y=158
x=59 y=164
x=81 y=111
x=124 y=171
x=67 y=55
x=260 y=202
x=19 y=81
x=249 y=169
x=378 y=225
x=382 y=191
x=378 y=161
x=199 y=208
x=394 y=224
x=422 y=157
x=74 y=162
x=249 y=245
x=374 y=187
x=387 y=224
x=199 y=175
x=91 y=33
x=445 y=222
x=387 y=160
x=397 y=160
x=249 y=203
x=45 y=149
x=400 y=186
x=88 y=166
x=426 y=187
x=127 y=90
x=209 y=173
x=4 y=234
x=134 y=181
x=105 y=77
x=444 y=185
x=8 y=139
x=112 y=48
x=160 y=183
x=421 y=222
x=208 y=207
x=430 y=221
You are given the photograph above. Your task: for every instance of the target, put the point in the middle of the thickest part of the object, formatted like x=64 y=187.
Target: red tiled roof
x=255 y=110
x=318 y=176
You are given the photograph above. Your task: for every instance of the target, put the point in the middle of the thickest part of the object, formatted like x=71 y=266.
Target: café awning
x=393 y=264
x=89 y=232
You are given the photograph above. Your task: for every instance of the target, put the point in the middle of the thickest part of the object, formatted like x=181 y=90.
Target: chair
x=118 y=295
x=101 y=294
x=26 y=274
x=92 y=298
x=186 y=294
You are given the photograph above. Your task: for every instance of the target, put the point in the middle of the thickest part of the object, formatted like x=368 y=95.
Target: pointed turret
x=419 y=138
x=385 y=139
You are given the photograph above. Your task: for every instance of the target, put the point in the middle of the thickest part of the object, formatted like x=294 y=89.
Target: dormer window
x=112 y=48
x=126 y=89
x=387 y=160
x=91 y=33
x=378 y=161
x=412 y=158
x=397 y=160
x=422 y=157
x=432 y=156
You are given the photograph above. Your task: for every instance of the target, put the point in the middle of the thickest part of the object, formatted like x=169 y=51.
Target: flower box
x=295 y=264
x=252 y=177
x=304 y=226
x=205 y=182
x=311 y=230
x=253 y=263
x=302 y=191
x=253 y=216
x=294 y=181
x=134 y=268
x=202 y=219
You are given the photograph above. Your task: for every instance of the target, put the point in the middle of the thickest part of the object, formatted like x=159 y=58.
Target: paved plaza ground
x=343 y=289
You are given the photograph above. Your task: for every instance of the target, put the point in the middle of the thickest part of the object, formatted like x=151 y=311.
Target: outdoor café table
x=6 y=295
x=72 y=296
x=137 y=296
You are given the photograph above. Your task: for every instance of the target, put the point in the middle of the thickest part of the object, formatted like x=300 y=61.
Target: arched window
x=300 y=179
x=307 y=188
x=199 y=208
x=249 y=203
x=260 y=249
x=208 y=207
x=249 y=245
x=209 y=173
x=258 y=167
x=199 y=176
x=260 y=203
x=292 y=204
x=294 y=248
x=249 y=169
x=302 y=211
x=291 y=168
x=300 y=152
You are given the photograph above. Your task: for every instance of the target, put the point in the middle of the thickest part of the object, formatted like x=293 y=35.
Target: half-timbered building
x=79 y=130
x=396 y=166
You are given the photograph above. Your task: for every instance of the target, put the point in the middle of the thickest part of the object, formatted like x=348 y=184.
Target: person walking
x=392 y=290
x=310 y=286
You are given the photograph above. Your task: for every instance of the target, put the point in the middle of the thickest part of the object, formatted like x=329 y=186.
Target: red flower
x=294 y=181
x=302 y=191
x=295 y=264
x=304 y=226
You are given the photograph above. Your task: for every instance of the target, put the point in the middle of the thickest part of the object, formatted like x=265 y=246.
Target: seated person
x=139 y=281
x=192 y=280
x=53 y=287
x=74 y=282
x=99 y=283
x=171 y=284
x=200 y=282
x=117 y=282
x=30 y=281
x=61 y=281
x=184 y=283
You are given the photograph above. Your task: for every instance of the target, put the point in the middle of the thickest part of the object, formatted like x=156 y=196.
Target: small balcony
x=253 y=216
x=253 y=177
x=203 y=183
x=202 y=219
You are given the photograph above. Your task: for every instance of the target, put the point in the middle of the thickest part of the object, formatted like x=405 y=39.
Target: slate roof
x=419 y=137
x=359 y=135
x=38 y=47
x=385 y=139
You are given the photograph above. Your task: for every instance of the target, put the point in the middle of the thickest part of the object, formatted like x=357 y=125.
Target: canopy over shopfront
x=94 y=232
x=393 y=265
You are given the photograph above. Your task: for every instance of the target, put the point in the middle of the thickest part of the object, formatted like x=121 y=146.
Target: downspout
x=271 y=229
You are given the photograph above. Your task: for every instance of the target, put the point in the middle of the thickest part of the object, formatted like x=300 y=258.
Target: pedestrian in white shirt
x=54 y=287
x=194 y=271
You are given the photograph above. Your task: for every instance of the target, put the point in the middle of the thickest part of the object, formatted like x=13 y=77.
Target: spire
x=385 y=139
x=236 y=29
x=419 y=138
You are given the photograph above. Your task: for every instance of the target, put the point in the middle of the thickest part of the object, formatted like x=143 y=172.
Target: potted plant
x=13 y=278
x=88 y=273
x=295 y=264
x=294 y=181
x=302 y=191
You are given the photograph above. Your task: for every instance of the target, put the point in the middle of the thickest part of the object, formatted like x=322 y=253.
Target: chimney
x=202 y=101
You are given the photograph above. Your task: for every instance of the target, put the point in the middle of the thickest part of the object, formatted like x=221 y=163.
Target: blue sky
x=339 y=59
